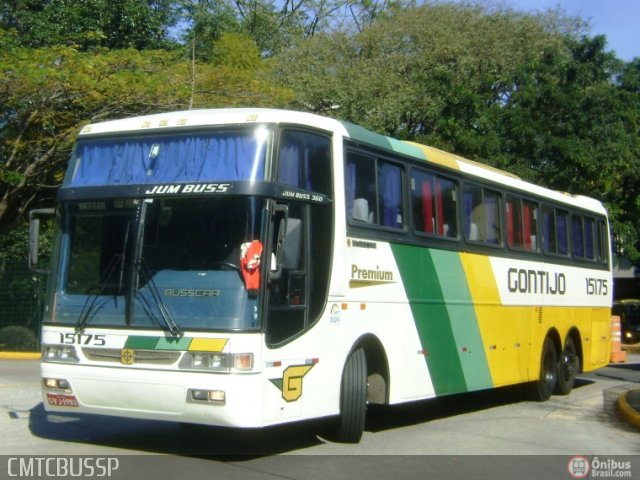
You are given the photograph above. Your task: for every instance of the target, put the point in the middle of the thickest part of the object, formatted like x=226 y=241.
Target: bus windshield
x=173 y=263
x=229 y=155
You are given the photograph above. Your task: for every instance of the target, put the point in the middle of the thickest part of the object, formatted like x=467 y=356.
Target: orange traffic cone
x=617 y=354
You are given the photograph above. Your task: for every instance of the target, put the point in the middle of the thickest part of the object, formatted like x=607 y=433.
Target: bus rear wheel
x=353 y=398
x=568 y=366
x=541 y=389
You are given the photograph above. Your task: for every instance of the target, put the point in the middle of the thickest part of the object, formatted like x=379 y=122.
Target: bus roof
x=232 y=116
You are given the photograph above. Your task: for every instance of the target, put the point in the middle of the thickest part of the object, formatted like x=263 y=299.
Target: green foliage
x=87 y=24
x=49 y=94
x=531 y=94
x=525 y=93
x=15 y=338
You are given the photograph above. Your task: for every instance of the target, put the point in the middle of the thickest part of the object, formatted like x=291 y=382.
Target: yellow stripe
x=208 y=344
x=503 y=330
x=438 y=157
x=513 y=335
x=20 y=355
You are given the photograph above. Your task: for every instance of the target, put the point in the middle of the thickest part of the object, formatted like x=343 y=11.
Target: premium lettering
x=358 y=273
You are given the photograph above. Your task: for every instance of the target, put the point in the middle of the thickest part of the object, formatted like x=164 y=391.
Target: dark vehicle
x=629 y=313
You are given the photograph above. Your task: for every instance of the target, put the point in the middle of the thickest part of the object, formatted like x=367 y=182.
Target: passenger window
x=522 y=223
x=482 y=215
x=577 y=236
x=555 y=231
x=603 y=242
x=434 y=205
x=374 y=191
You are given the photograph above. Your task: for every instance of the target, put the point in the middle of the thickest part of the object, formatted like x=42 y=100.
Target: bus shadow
x=384 y=417
x=172 y=438
x=228 y=444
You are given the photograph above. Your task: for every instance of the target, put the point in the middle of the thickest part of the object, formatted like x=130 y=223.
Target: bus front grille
x=124 y=356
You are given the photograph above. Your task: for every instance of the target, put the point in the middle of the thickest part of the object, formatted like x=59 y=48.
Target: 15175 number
x=597 y=286
x=71 y=338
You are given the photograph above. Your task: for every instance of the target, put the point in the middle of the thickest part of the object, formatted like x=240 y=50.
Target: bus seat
x=360 y=210
x=474 y=233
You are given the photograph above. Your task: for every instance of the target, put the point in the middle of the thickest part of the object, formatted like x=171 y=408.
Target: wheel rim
x=549 y=373
x=569 y=362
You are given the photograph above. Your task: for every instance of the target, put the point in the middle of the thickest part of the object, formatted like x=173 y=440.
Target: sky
x=618 y=20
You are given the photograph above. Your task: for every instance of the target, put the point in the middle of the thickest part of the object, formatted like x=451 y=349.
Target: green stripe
x=157 y=343
x=140 y=342
x=464 y=322
x=165 y=343
x=361 y=134
x=431 y=317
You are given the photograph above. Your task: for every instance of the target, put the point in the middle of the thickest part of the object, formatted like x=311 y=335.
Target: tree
x=530 y=94
x=49 y=94
x=568 y=123
x=87 y=24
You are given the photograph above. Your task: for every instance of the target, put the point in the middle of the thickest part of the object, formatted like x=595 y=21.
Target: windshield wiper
x=91 y=305
x=171 y=324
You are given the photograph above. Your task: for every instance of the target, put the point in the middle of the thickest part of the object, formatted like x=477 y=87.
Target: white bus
x=250 y=267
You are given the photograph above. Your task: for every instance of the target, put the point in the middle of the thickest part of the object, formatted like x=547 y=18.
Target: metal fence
x=21 y=300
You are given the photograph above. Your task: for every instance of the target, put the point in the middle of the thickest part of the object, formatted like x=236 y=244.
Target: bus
x=251 y=267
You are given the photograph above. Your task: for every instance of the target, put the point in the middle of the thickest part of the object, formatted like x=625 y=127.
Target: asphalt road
x=494 y=434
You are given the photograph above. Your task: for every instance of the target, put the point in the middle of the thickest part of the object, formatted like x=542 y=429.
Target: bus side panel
x=553 y=298
x=377 y=304
x=599 y=353
x=445 y=319
x=506 y=331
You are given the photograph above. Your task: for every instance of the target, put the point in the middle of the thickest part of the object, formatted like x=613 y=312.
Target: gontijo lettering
x=536 y=281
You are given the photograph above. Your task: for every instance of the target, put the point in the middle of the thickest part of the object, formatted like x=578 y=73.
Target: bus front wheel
x=541 y=389
x=353 y=398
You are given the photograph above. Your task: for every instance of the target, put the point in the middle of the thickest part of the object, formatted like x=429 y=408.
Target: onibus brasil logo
x=582 y=467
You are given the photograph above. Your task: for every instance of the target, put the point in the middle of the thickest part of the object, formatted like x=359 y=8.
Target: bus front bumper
x=231 y=400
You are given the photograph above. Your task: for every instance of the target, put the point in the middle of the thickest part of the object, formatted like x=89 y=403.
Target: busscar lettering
x=188 y=292
x=188 y=188
x=520 y=280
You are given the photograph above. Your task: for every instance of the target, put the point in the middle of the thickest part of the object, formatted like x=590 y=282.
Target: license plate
x=58 y=400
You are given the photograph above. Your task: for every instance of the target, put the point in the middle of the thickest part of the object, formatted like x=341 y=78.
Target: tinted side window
x=555 y=231
x=434 y=204
x=304 y=161
x=522 y=223
x=482 y=215
x=373 y=191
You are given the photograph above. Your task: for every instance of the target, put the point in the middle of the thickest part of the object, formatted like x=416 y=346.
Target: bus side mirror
x=34 y=236
x=288 y=246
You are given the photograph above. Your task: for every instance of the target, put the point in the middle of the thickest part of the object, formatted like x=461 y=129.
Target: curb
x=20 y=356
x=626 y=411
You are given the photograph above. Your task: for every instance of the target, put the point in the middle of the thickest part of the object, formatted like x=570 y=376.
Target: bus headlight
x=60 y=353
x=216 y=362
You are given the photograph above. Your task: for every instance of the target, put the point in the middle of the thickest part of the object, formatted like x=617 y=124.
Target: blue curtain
x=391 y=185
x=226 y=156
x=588 y=237
x=547 y=231
x=350 y=183
x=562 y=233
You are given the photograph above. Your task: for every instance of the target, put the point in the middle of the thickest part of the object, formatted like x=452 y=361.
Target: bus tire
x=568 y=365
x=541 y=389
x=353 y=398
